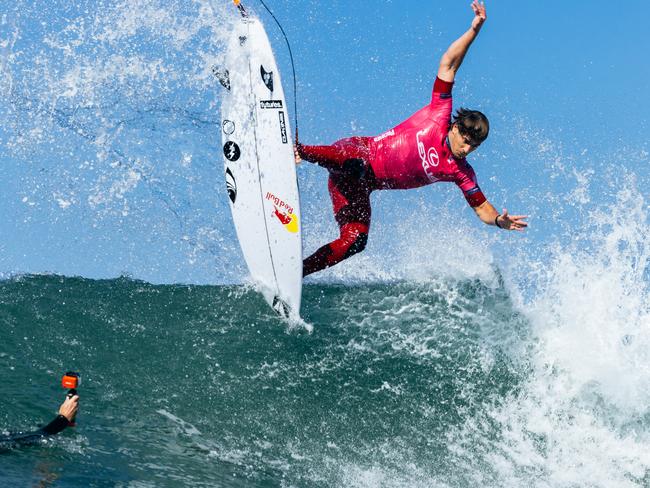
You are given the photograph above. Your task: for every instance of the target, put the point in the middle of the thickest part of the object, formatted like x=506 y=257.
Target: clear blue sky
x=111 y=152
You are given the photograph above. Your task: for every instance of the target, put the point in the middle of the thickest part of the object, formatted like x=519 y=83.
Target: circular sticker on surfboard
x=231 y=151
x=228 y=127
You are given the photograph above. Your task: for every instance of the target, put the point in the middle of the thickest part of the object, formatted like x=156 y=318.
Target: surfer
x=65 y=418
x=428 y=147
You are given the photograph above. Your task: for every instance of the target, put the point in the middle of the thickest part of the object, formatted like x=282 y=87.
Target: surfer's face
x=461 y=145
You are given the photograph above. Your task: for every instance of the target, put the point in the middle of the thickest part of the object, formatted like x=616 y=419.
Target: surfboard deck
x=260 y=170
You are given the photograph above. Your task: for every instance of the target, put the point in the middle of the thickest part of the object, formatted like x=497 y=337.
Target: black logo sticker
x=223 y=75
x=228 y=127
x=267 y=77
x=231 y=151
x=242 y=40
x=270 y=103
x=283 y=128
x=231 y=185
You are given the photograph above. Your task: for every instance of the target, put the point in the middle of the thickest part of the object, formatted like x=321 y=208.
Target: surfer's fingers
x=478 y=8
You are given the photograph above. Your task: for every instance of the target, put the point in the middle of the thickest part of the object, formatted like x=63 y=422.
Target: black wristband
x=496 y=221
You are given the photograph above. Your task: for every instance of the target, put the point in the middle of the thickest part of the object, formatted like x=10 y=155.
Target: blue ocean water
x=436 y=383
x=445 y=355
x=203 y=385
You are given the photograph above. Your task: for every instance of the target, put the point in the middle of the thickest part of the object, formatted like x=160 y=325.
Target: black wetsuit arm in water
x=28 y=438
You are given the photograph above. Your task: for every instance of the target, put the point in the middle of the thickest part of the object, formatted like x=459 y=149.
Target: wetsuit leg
x=351 y=202
x=346 y=154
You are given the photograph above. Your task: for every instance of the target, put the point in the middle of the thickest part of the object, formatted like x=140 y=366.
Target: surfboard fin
x=281 y=307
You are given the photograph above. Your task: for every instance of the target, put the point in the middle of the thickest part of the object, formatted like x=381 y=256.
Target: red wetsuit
x=413 y=154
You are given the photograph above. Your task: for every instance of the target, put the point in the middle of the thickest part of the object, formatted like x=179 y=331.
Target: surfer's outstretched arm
x=489 y=215
x=453 y=57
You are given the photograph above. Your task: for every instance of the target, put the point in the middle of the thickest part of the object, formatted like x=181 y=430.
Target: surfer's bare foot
x=296 y=155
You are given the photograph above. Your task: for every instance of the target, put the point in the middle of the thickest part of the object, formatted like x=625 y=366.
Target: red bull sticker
x=284 y=213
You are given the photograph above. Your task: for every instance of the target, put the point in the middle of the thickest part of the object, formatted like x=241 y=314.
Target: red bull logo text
x=279 y=203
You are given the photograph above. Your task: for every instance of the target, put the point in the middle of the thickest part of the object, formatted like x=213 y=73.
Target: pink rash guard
x=417 y=153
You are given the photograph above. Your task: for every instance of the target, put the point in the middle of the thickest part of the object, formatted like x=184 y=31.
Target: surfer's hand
x=479 y=14
x=512 y=222
x=296 y=154
x=69 y=407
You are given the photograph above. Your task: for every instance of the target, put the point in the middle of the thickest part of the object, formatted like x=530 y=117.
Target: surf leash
x=243 y=13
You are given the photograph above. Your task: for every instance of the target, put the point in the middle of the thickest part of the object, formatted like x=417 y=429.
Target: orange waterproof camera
x=71 y=381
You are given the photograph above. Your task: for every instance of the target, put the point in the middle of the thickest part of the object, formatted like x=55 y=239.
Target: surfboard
x=260 y=171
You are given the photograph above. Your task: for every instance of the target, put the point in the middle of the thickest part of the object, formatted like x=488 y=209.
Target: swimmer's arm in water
x=67 y=413
x=453 y=57
x=489 y=215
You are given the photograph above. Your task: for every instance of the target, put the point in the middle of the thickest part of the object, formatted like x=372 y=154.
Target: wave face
x=440 y=383
x=197 y=384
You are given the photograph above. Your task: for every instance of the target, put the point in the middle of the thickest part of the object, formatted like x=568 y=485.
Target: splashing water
x=507 y=363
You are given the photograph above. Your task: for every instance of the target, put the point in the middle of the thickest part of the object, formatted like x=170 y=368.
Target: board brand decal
x=289 y=220
x=278 y=202
x=271 y=104
x=284 y=218
x=231 y=151
x=231 y=185
x=283 y=128
x=284 y=213
x=267 y=77
x=223 y=75
x=242 y=40
x=228 y=127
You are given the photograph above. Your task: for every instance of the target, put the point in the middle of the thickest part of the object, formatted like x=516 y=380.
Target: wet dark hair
x=472 y=124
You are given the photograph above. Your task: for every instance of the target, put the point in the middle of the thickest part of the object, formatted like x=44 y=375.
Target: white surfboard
x=260 y=168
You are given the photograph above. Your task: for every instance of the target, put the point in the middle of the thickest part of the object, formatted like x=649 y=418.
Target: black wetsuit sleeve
x=27 y=438
x=56 y=426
